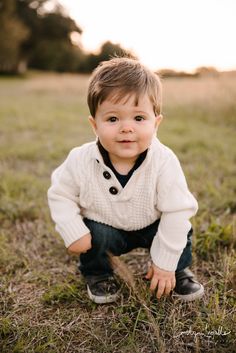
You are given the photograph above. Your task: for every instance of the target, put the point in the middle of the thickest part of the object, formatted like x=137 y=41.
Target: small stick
x=125 y=274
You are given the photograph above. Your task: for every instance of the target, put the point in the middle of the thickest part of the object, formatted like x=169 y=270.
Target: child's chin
x=126 y=154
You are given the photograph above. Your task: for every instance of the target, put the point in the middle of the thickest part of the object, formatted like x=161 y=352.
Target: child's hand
x=163 y=280
x=82 y=245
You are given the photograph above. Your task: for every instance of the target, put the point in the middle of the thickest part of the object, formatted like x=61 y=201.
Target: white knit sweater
x=157 y=189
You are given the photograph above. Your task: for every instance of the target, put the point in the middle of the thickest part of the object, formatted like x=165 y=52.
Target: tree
x=56 y=55
x=13 y=33
x=42 y=39
x=49 y=46
x=107 y=51
x=207 y=71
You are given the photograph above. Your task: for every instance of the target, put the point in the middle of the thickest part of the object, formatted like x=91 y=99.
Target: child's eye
x=112 y=119
x=139 y=118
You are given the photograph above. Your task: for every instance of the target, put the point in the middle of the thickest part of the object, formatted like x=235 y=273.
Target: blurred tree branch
x=36 y=35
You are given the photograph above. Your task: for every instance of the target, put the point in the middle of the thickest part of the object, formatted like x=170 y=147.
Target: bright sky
x=178 y=34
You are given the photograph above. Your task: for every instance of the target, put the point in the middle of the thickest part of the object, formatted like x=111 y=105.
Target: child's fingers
x=168 y=287
x=149 y=274
x=160 y=289
x=154 y=283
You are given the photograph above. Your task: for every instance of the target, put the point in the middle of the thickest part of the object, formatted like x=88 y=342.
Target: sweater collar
x=149 y=152
x=108 y=162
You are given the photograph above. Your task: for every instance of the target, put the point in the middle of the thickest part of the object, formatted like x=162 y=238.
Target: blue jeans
x=106 y=239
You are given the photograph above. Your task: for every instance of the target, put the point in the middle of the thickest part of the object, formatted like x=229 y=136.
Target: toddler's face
x=125 y=130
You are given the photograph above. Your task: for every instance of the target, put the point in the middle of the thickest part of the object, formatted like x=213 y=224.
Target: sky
x=175 y=34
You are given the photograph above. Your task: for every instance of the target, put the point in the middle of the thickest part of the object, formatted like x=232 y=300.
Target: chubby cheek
x=147 y=136
x=106 y=132
x=104 y=139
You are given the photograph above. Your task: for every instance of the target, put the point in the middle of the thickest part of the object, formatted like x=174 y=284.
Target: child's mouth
x=125 y=141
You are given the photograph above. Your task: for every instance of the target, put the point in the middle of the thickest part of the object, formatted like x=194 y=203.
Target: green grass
x=43 y=301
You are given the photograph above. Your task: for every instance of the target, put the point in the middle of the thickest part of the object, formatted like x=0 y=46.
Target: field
x=43 y=301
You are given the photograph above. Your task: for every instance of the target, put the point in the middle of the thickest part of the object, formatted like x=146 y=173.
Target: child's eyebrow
x=134 y=109
x=117 y=111
x=111 y=112
x=141 y=111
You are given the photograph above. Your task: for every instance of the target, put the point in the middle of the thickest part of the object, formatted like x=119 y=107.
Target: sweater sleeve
x=177 y=205
x=63 y=199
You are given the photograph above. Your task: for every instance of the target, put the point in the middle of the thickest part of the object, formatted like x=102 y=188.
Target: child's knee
x=82 y=245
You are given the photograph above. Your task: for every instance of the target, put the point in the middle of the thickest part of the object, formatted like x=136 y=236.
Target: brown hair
x=120 y=77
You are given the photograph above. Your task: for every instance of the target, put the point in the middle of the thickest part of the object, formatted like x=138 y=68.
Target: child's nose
x=126 y=127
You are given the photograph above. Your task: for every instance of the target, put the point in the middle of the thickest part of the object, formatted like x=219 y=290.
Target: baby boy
x=125 y=189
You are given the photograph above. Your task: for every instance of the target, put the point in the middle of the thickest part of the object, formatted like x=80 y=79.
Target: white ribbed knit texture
x=157 y=189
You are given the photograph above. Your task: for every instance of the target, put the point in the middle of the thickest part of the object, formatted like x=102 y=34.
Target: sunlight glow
x=182 y=34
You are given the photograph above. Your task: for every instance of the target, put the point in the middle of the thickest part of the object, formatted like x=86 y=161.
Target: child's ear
x=92 y=122
x=159 y=119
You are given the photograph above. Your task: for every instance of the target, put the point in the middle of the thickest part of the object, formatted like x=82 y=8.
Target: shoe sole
x=98 y=299
x=190 y=297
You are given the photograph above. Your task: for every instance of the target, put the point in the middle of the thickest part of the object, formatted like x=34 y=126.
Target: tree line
x=33 y=37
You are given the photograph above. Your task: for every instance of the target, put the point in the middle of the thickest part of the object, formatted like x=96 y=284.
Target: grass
x=43 y=301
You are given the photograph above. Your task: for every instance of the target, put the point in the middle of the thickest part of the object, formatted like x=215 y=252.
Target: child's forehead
x=133 y=98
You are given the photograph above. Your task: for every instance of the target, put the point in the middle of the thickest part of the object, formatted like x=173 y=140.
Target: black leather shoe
x=187 y=287
x=102 y=289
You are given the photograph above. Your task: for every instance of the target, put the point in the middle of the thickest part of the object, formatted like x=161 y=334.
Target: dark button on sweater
x=106 y=175
x=113 y=190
